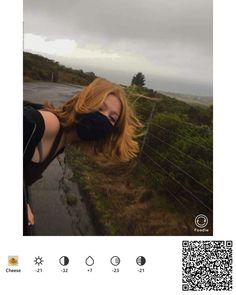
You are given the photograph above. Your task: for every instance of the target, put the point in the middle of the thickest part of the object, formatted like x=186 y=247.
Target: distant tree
x=138 y=79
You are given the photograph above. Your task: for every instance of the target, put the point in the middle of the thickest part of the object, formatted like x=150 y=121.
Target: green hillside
x=161 y=191
x=37 y=67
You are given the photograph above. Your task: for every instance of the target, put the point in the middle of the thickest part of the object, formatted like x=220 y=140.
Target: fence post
x=148 y=125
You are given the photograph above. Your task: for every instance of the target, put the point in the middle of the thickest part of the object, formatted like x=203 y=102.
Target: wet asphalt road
x=53 y=215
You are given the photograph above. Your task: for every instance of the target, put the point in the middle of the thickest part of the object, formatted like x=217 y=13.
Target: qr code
x=207 y=265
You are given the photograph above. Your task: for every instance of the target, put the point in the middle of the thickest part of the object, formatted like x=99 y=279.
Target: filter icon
x=13 y=261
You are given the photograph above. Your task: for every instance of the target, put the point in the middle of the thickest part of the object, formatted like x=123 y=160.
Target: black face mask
x=93 y=126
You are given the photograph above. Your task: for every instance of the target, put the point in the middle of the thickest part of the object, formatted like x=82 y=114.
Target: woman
x=99 y=119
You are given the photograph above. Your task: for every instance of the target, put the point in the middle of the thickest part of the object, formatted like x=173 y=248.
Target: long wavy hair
x=122 y=144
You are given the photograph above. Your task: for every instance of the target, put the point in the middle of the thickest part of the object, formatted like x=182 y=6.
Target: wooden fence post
x=148 y=125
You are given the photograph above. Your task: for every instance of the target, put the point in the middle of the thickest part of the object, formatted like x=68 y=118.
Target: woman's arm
x=30 y=215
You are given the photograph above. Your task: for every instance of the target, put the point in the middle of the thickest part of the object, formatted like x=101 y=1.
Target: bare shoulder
x=52 y=123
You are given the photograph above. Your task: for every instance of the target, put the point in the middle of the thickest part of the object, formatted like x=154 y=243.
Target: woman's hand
x=30 y=215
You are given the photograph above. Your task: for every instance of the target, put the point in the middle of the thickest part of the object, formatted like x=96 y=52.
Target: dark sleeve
x=33 y=129
x=25 y=191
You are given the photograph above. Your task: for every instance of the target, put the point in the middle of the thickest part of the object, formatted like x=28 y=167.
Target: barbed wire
x=188 y=210
x=174 y=119
x=180 y=169
x=174 y=179
x=186 y=138
x=178 y=200
x=175 y=197
x=179 y=135
x=197 y=161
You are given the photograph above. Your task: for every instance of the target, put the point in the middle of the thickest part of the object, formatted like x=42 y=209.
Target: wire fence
x=152 y=157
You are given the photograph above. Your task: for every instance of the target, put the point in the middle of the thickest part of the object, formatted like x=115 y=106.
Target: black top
x=32 y=170
x=33 y=130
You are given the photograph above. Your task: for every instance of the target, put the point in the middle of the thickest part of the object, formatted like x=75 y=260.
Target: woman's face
x=111 y=108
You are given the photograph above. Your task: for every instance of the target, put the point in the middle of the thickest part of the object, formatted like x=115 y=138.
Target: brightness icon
x=38 y=261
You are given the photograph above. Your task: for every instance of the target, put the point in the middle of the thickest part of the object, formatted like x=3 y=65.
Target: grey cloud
x=188 y=21
x=175 y=33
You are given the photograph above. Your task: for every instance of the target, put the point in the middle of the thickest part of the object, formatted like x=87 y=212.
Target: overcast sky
x=169 y=41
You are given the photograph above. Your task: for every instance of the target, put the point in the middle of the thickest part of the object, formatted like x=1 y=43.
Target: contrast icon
x=141 y=260
x=89 y=261
x=64 y=260
x=12 y=260
x=115 y=260
x=38 y=261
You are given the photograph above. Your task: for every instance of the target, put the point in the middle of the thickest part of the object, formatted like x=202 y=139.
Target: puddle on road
x=58 y=205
